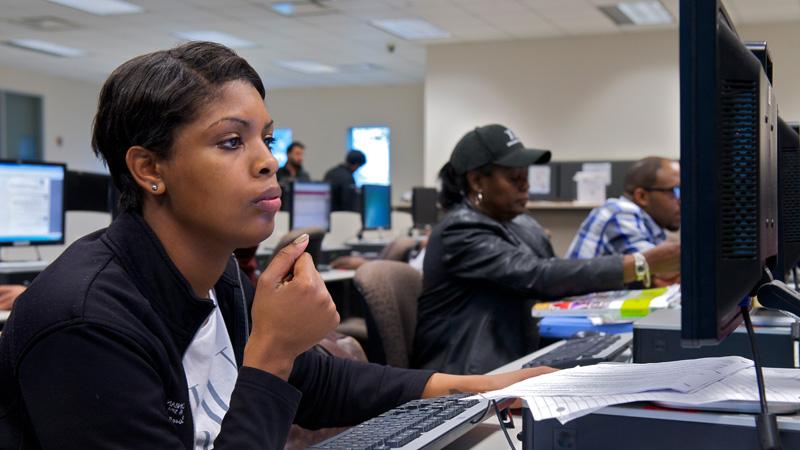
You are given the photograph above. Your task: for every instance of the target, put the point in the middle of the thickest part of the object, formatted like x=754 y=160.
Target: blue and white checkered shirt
x=618 y=227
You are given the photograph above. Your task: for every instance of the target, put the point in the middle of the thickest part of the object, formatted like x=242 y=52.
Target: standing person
x=488 y=260
x=144 y=334
x=292 y=171
x=344 y=195
x=637 y=220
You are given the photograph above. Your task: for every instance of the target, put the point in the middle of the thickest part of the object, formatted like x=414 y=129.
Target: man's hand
x=9 y=294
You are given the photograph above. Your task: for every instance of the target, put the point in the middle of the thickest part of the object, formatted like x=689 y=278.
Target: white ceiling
x=341 y=37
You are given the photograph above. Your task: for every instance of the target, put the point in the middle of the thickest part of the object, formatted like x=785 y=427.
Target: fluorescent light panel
x=411 y=29
x=45 y=47
x=219 y=37
x=305 y=66
x=101 y=7
x=283 y=8
x=638 y=13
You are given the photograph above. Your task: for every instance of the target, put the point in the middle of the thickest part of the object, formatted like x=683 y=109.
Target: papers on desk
x=572 y=393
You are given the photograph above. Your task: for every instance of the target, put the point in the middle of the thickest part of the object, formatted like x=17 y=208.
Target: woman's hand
x=444 y=384
x=292 y=311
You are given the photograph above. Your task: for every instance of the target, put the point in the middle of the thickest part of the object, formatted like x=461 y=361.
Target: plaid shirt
x=618 y=227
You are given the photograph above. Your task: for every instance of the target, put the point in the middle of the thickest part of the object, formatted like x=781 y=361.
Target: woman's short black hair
x=148 y=98
x=455 y=187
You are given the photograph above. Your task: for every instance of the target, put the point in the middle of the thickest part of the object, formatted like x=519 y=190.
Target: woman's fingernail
x=300 y=239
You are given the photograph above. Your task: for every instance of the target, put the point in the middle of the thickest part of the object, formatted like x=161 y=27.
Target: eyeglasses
x=675 y=191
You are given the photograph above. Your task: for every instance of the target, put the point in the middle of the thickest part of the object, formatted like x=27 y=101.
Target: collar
x=651 y=224
x=144 y=258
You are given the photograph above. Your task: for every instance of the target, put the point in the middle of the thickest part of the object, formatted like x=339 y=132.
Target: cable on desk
x=503 y=425
x=766 y=424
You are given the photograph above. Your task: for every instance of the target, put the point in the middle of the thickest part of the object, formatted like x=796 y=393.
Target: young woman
x=144 y=335
x=488 y=260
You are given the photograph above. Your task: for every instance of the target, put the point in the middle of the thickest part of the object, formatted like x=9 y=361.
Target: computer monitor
x=795 y=126
x=31 y=203
x=376 y=207
x=728 y=173
x=310 y=205
x=788 y=200
x=424 y=209
x=87 y=191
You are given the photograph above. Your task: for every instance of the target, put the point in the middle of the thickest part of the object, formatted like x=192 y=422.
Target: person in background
x=158 y=339
x=488 y=260
x=344 y=195
x=9 y=294
x=638 y=220
x=292 y=171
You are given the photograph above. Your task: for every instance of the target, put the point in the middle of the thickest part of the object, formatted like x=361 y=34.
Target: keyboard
x=430 y=423
x=583 y=351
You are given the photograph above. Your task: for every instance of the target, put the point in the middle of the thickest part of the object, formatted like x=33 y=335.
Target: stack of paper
x=572 y=393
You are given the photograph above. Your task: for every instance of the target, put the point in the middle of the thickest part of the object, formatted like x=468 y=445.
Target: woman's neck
x=195 y=256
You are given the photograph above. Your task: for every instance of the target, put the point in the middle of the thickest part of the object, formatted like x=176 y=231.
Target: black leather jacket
x=481 y=278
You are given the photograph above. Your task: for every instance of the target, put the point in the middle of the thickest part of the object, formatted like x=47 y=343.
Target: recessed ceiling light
x=101 y=7
x=359 y=68
x=304 y=66
x=45 y=47
x=638 y=13
x=283 y=8
x=411 y=29
x=219 y=37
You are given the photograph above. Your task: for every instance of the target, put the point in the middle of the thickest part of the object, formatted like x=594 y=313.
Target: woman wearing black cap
x=488 y=260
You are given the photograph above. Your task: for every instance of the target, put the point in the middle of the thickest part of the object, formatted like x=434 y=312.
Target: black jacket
x=481 y=279
x=344 y=195
x=91 y=358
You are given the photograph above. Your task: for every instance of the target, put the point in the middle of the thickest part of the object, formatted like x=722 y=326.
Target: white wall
x=590 y=97
x=321 y=117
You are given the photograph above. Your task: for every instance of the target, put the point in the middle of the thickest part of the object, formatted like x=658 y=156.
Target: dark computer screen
x=788 y=200
x=424 y=209
x=376 y=207
x=87 y=191
x=728 y=173
x=310 y=205
x=31 y=203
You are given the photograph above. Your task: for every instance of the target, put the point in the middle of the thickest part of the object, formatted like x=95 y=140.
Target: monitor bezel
x=63 y=166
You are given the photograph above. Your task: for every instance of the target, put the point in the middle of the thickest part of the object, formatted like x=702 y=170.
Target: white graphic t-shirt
x=211 y=373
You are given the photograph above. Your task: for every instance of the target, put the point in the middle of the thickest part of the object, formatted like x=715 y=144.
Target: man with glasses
x=637 y=220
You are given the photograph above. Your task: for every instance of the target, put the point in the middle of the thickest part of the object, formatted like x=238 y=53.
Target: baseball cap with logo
x=494 y=144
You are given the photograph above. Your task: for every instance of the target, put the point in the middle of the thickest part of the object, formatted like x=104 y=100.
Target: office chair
x=390 y=290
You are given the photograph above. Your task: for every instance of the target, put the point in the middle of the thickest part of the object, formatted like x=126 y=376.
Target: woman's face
x=505 y=192
x=220 y=177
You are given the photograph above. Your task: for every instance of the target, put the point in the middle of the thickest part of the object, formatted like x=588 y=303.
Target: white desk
x=23 y=266
x=337 y=275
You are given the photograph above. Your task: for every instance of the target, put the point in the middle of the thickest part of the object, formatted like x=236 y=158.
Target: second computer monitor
x=376 y=207
x=424 y=211
x=310 y=205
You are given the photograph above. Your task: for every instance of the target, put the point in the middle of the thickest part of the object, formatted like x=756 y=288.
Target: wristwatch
x=641 y=269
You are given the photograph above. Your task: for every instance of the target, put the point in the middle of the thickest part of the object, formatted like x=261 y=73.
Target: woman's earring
x=479 y=198
x=154 y=187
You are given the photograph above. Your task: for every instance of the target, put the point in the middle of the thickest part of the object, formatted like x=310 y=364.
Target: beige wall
x=590 y=97
x=69 y=107
x=320 y=119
